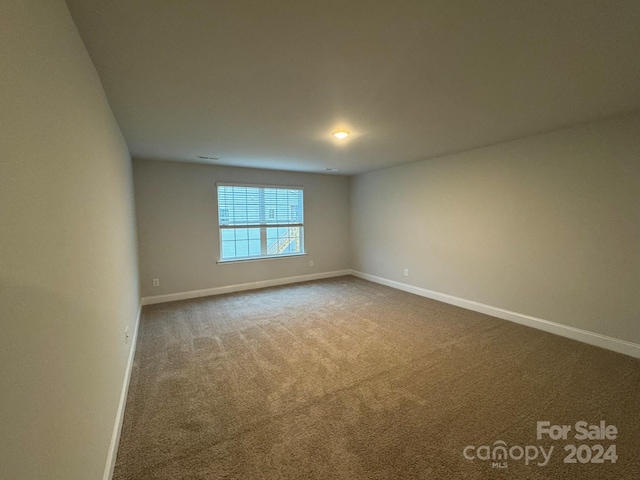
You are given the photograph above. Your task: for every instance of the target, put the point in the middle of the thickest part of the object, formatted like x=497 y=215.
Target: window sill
x=259 y=259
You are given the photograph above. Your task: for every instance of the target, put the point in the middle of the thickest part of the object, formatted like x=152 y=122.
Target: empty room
x=319 y=240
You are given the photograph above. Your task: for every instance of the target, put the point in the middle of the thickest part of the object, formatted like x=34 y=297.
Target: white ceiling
x=264 y=83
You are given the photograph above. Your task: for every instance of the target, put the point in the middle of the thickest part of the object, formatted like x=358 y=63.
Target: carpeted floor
x=346 y=379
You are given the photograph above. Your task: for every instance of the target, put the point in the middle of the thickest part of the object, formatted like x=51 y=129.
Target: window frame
x=263 y=225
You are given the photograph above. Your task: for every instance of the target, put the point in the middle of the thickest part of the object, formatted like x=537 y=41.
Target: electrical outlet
x=156 y=282
x=406 y=272
x=311 y=263
x=126 y=336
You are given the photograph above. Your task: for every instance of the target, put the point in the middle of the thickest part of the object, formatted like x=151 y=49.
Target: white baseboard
x=585 y=336
x=117 y=427
x=172 y=297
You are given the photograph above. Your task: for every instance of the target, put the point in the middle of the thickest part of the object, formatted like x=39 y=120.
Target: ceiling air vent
x=204 y=157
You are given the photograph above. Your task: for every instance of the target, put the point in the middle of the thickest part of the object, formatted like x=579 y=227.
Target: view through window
x=260 y=221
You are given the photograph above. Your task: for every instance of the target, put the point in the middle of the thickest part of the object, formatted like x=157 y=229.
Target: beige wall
x=68 y=280
x=178 y=234
x=547 y=226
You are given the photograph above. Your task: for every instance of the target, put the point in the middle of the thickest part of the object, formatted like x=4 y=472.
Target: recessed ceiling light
x=341 y=134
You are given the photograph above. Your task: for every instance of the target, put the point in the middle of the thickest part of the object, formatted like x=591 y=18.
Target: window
x=260 y=222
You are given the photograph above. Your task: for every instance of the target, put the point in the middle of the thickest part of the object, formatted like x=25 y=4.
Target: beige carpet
x=346 y=379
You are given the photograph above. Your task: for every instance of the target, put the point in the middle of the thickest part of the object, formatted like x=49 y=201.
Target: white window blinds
x=254 y=206
x=260 y=221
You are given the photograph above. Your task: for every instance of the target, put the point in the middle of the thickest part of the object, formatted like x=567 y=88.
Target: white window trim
x=261 y=259
x=222 y=261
